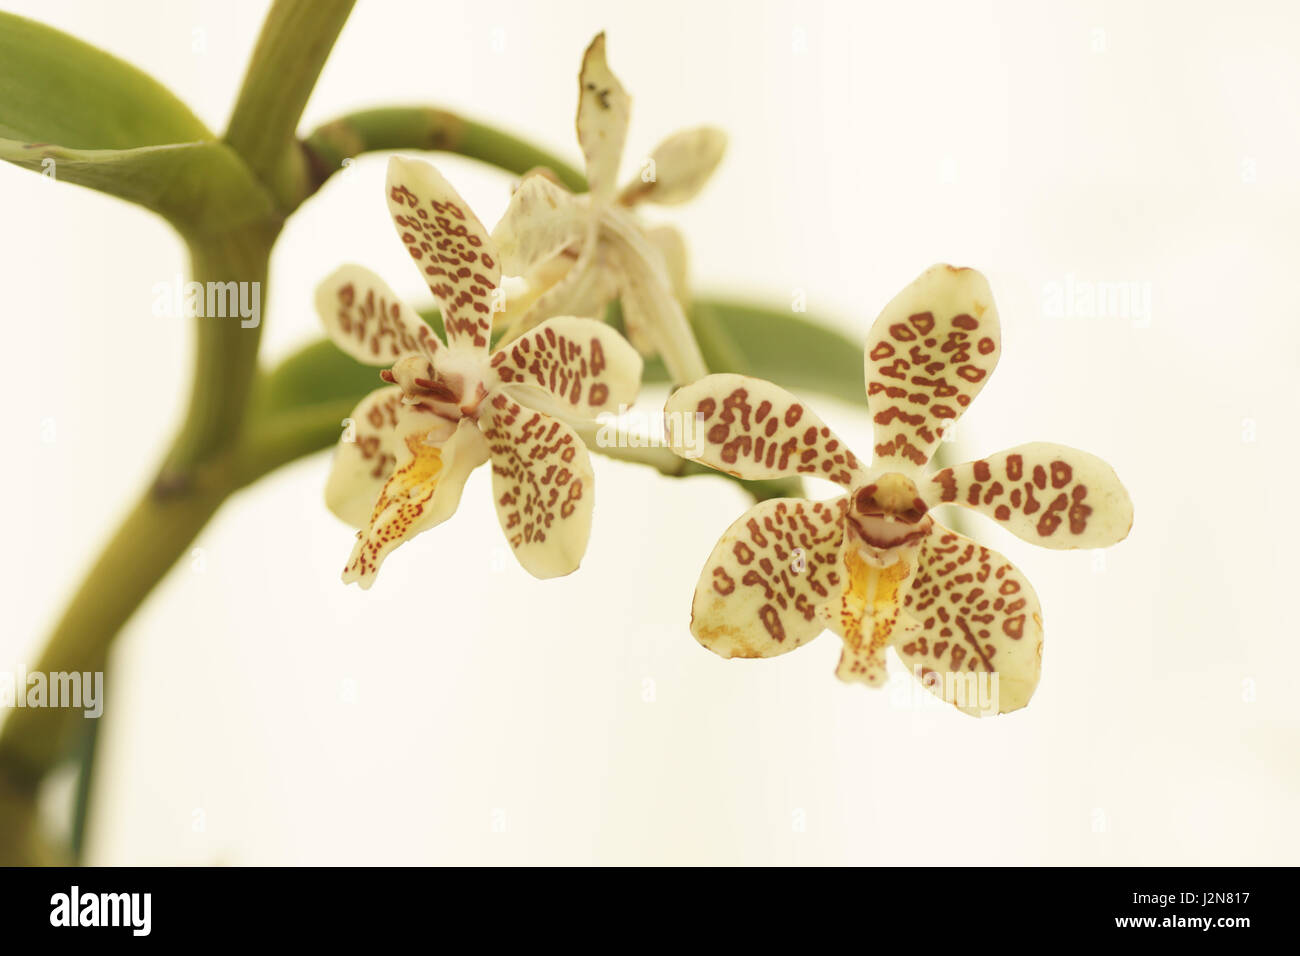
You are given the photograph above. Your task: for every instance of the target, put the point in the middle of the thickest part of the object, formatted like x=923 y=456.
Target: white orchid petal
x=974 y=614
x=543 y=484
x=603 y=111
x=654 y=318
x=541 y=221
x=763 y=588
x=366 y=319
x=1047 y=494
x=571 y=367
x=753 y=429
x=451 y=247
x=678 y=168
x=927 y=356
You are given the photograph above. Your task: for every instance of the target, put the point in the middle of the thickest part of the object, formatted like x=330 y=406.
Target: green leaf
x=56 y=89
x=319 y=374
x=782 y=347
x=314 y=375
x=198 y=187
x=77 y=114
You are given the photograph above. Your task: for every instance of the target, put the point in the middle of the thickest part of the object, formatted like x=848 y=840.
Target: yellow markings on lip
x=421 y=470
x=402 y=503
x=871 y=598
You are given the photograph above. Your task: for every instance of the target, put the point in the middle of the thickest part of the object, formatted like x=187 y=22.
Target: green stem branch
x=290 y=53
x=199 y=471
x=425 y=128
x=226 y=358
x=156 y=532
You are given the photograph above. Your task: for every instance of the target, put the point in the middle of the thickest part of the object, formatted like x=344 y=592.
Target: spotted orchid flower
x=576 y=254
x=449 y=407
x=873 y=565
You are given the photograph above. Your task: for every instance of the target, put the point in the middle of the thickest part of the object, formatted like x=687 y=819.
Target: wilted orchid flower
x=579 y=253
x=451 y=407
x=873 y=565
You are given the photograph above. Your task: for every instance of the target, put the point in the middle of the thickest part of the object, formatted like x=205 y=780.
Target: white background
x=261 y=712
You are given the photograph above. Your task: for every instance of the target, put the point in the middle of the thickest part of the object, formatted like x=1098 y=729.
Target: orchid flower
x=873 y=565
x=579 y=253
x=452 y=406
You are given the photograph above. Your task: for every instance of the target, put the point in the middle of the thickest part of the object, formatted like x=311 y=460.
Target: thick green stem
x=85 y=784
x=156 y=532
x=291 y=50
x=200 y=471
x=196 y=477
x=226 y=358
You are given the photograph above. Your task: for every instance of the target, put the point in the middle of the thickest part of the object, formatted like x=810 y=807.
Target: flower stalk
x=426 y=128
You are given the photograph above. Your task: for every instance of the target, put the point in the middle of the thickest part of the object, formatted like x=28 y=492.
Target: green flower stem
x=200 y=470
x=196 y=477
x=290 y=53
x=21 y=840
x=85 y=784
x=425 y=128
x=157 y=531
x=226 y=360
